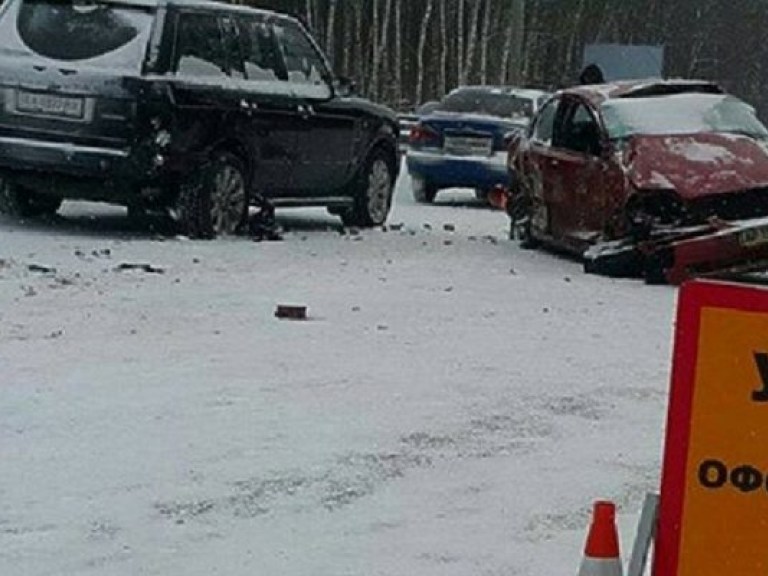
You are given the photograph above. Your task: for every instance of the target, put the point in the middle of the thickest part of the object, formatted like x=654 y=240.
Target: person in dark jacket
x=592 y=74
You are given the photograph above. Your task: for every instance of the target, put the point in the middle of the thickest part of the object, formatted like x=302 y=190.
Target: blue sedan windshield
x=488 y=102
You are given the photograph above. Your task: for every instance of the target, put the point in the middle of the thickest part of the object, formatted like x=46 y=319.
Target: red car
x=627 y=162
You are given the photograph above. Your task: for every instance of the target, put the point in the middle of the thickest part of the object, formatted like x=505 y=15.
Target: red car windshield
x=680 y=114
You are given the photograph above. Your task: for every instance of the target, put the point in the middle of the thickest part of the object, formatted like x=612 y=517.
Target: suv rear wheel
x=23 y=203
x=213 y=200
x=373 y=190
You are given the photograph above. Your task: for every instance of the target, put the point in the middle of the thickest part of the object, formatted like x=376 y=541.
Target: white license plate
x=754 y=236
x=468 y=145
x=49 y=105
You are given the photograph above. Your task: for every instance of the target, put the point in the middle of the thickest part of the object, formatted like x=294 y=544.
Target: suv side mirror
x=345 y=87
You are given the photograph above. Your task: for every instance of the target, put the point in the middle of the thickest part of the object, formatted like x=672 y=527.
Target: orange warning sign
x=714 y=495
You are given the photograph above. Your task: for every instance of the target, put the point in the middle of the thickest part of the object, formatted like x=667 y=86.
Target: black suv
x=198 y=107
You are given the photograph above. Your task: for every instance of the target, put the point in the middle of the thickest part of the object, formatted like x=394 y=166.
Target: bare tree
x=330 y=26
x=360 y=60
x=511 y=70
x=443 y=70
x=532 y=40
x=472 y=42
x=347 y=52
x=422 y=45
x=381 y=35
x=309 y=13
x=485 y=42
x=572 y=40
x=701 y=40
x=460 y=44
x=398 y=63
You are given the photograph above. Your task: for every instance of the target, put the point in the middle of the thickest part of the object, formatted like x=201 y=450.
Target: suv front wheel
x=372 y=190
x=213 y=200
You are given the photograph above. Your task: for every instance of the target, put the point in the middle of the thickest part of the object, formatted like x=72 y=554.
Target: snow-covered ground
x=453 y=406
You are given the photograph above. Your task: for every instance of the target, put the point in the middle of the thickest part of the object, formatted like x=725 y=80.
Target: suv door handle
x=305 y=110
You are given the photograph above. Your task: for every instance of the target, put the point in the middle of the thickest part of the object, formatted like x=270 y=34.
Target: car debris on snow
x=97 y=253
x=291 y=312
x=262 y=226
x=148 y=268
x=40 y=269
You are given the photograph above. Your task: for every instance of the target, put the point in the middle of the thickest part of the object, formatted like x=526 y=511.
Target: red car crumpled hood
x=697 y=165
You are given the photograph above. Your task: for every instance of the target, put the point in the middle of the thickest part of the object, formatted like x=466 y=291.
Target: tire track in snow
x=516 y=428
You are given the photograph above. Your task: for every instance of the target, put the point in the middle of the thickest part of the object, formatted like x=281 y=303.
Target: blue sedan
x=462 y=143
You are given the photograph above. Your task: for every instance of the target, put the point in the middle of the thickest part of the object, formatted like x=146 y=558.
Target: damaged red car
x=666 y=179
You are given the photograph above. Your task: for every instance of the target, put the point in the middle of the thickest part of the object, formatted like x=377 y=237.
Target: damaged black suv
x=197 y=107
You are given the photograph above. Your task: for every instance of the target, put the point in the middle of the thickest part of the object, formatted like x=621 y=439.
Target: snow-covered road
x=452 y=407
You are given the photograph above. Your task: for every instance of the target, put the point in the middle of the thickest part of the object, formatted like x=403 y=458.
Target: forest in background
x=403 y=52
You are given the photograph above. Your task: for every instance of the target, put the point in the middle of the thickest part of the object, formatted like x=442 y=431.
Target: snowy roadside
x=452 y=407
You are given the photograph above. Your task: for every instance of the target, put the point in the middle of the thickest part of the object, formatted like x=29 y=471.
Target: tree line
x=404 y=52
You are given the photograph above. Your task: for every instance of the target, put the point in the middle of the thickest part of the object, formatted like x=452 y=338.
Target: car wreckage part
x=20 y=202
x=645 y=211
x=519 y=208
x=722 y=248
x=213 y=200
x=482 y=194
x=674 y=256
x=615 y=260
x=373 y=189
x=423 y=191
x=496 y=197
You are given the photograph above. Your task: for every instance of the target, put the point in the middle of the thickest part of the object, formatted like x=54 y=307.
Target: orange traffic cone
x=601 y=553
